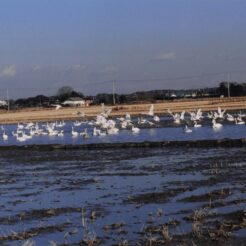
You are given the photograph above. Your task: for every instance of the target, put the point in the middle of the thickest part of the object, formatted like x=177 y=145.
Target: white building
x=74 y=101
x=3 y=103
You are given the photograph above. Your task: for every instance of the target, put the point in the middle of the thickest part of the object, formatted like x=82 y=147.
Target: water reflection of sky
x=47 y=181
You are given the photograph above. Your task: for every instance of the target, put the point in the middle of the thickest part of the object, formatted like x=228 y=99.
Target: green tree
x=64 y=90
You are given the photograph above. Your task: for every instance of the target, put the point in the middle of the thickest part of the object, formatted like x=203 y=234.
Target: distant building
x=77 y=102
x=3 y=103
x=193 y=94
x=88 y=102
x=74 y=101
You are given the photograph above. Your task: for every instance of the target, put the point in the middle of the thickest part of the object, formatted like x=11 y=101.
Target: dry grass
x=29 y=243
x=159 y=212
x=40 y=114
x=201 y=213
x=123 y=243
x=91 y=239
x=165 y=234
x=196 y=230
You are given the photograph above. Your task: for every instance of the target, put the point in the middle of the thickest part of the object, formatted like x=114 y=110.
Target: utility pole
x=228 y=85
x=114 y=92
x=8 y=98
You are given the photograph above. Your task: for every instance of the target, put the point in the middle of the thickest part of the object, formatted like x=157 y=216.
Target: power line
x=125 y=80
x=167 y=78
x=180 y=78
x=228 y=84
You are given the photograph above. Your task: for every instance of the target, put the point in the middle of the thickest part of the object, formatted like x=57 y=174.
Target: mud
x=153 y=197
x=123 y=196
x=240 y=142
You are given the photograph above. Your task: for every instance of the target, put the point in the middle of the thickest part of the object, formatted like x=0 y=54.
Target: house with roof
x=3 y=103
x=74 y=102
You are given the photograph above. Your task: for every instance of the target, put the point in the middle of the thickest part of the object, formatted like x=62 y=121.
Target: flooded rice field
x=133 y=196
x=165 y=130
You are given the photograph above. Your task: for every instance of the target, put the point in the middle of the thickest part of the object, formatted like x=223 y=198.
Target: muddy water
x=148 y=196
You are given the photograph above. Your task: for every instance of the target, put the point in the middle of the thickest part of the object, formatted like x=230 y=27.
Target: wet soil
x=123 y=196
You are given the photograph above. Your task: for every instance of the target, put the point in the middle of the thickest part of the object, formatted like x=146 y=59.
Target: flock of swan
x=197 y=117
x=104 y=125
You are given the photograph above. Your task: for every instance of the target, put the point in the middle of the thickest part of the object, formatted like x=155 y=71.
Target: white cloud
x=9 y=71
x=109 y=70
x=75 y=67
x=36 y=68
x=164 y=57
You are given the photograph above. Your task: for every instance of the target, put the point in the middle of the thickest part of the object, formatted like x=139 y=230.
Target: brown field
x=48 y=114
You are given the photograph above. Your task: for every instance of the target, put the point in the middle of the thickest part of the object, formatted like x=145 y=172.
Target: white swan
x=85 y=134
x=74 y=133
x=5 y=136
x=239 y=121
x=77 y=123
x=156 y=118
x=221 y=113
x=128 y=117
x=14 y=134
x=187 y=129
x=216 y=125
x=196 y=125
x=52 y=132
x=230 y=118
x=120 y=119
x=96 y=131
x=113 y=130
x=135 y=129
x=26 y=135
x=60 y=124
x=141 y=121
x=57 y=106
x=105 y=111
x=210 y=115
x=21 y=138
x=150 y=123
x=196 y=115
x=177 y=117
x=151 y=110
x=100 y=133
x=123 y=124
x=20 y=126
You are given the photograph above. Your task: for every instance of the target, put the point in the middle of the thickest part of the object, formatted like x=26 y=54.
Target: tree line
x=66 y=92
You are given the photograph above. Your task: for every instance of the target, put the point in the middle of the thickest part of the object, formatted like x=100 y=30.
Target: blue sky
x=46 y=44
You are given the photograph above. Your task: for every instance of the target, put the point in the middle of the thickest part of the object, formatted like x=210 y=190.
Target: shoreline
x=50 y=114
x=213 y=143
